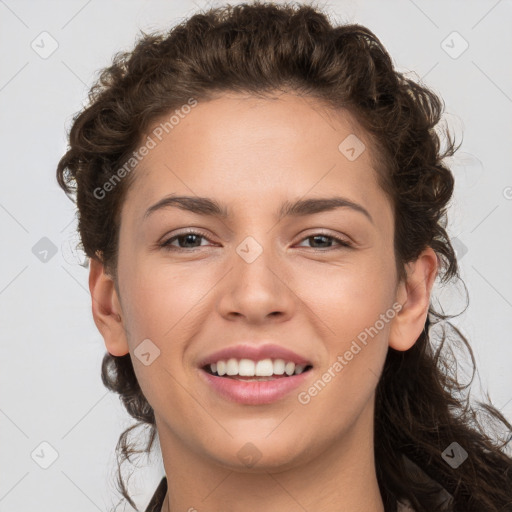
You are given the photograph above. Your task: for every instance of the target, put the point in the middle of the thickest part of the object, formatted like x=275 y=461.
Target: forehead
x=240 y=148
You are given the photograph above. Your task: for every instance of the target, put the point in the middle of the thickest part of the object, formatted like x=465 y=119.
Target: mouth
x=254 y=382
x=282 y=371
x=255 y=371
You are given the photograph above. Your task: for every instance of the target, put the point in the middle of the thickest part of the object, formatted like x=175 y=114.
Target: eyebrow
x=299 y=208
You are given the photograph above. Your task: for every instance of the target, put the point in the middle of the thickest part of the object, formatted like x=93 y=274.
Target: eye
x=189 y=239
x=323 y=238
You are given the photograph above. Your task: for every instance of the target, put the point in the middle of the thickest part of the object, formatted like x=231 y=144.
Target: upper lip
x=254 y=352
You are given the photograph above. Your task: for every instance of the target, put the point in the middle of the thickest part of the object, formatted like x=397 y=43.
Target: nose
x=258 y=286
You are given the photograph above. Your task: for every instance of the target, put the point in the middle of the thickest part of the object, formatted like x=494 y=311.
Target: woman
x=263 y=199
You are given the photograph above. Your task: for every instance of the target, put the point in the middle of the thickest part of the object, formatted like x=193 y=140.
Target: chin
x=259 y=455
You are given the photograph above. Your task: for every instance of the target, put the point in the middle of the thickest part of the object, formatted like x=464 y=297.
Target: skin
x=252 y=154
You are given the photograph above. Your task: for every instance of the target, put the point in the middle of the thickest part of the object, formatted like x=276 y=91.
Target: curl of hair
x=260 y=48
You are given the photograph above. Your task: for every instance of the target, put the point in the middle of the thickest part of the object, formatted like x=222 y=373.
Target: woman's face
x=254 y=277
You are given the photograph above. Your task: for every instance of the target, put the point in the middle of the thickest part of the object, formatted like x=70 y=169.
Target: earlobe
x=414 y=295
x=106 y=309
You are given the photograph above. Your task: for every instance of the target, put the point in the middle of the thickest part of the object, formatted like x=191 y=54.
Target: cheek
x=366 y=317
x=346 y=381
x=350 y=296
x=355 y=308
x=162 y=299
x=162 y=305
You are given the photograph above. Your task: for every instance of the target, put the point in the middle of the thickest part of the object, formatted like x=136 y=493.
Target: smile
x=251 y=382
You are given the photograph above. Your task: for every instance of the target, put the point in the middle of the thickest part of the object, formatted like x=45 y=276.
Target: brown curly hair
x=421 y=407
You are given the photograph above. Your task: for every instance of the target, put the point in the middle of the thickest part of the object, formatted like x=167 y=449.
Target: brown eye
x=187 y=240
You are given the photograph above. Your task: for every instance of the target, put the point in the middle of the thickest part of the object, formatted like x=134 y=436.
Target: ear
x=414 y=296
x=106 y=309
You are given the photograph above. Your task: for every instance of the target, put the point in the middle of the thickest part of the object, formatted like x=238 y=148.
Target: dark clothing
x=157 y=500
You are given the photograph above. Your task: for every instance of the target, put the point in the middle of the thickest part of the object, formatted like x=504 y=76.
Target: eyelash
x=343 y=244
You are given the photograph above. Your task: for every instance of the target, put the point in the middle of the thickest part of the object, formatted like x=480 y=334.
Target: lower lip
x=255 y=392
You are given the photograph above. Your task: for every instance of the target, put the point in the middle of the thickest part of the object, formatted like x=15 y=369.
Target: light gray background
x=50 y=387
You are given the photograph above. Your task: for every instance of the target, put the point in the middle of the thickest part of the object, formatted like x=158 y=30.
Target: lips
x=256 y=353
x=254 y=390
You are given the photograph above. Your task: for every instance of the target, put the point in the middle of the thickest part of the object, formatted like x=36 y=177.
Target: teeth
x=246 y=368
x=299 y=368
x=250 y=368
x=221 y=367
x=232 y=367
x=264 y=368
x=289 y=368
x=279 y=366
